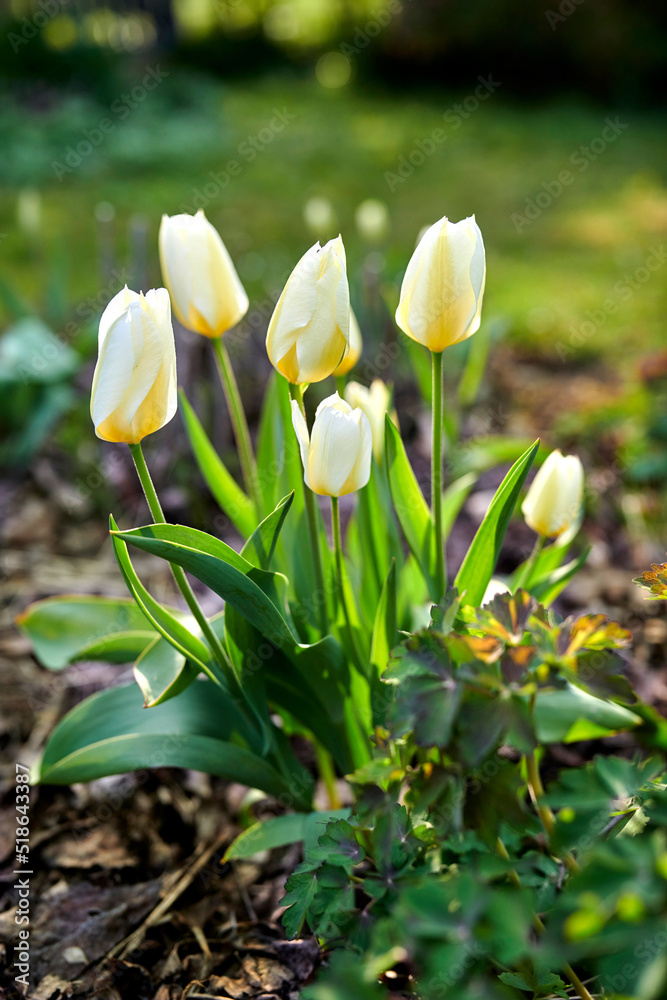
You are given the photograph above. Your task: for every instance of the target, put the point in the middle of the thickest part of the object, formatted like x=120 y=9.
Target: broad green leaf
x=280 y=831
x=124 y=647
x=270 y=447
x=232 y=500
x=571 y=714
x=110 y=733
x=411 y=508
x=162 y=672
x=63 y=629
x=480 y=559
x=385 y=631
x=453 y=499
x=216 y=565
x=161 y=618
x=261 y=545
x=309 y=682
x=548 y=589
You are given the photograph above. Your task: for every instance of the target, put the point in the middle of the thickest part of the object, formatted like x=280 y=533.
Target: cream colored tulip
x=336 y=455
x=205 y=289
x=134 y=385
x=441 y=294
x=554 y=499
x=354 y=349
x=309 y=331
x=374 y=401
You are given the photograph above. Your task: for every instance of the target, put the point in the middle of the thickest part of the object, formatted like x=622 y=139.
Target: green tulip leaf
x=230 y=497
x=480 y=560
x=161 y=618
x=261 y=545
x=217 y=566
x=162 y=672
x=65 y=629
x=110 y=733
x=546 y=590
x=385 y=632
x=453 y=499
x=411 y=508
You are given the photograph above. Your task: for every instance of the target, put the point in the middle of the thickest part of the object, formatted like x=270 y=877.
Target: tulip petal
x=113 y=370
x=301 y=430
x=334 y=448
x=554 y=499
x=114 y=309
x=133 y=344
x=361 y=471
x=294 y=309
x=441 y=292
x=206 y=291
x=309 y=329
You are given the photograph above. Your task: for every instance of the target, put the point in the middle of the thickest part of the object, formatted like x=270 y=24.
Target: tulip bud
x=553 y=502
x=205 y=289
x=441 y=294
x=374 y=402
x=354 y=349
x=134 y=385
x=310 y=328
x=336 y=456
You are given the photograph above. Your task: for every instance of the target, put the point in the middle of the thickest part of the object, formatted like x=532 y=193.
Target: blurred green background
x=291 y=121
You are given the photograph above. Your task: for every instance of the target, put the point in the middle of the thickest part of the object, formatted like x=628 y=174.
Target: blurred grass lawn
x=340 y=145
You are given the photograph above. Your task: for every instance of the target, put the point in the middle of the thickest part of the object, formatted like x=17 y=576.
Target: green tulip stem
x=547 y=818
x=340 y=385
x=327 y=771
x=311 y=516
x=539 y=926
x=239 y=422
x=436 y=471
x=340 y=575
x=179 y=575
x=529 y=565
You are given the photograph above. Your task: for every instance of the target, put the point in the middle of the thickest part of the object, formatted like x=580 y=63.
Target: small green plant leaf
x=654 y=580
x=571 y=714
x=280 y=831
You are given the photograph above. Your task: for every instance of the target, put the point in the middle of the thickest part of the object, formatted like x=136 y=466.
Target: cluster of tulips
x=307 y=628
x=312 y=334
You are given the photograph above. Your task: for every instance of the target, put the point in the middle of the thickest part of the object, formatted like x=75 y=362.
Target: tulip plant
x=332 y=641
